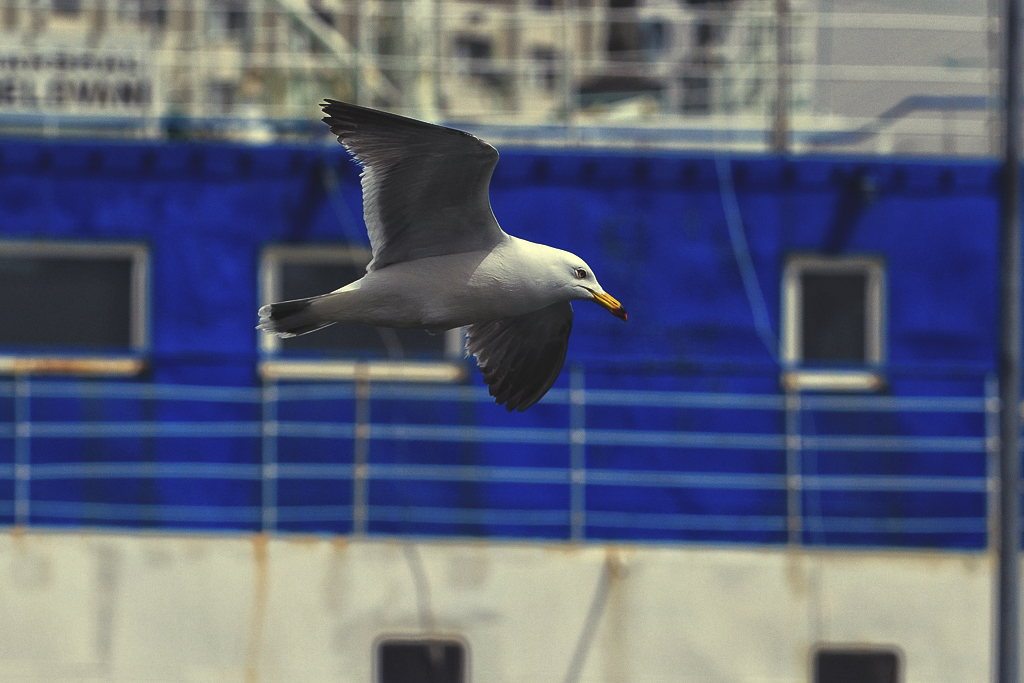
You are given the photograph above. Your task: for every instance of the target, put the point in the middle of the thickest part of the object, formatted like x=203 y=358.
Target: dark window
x=222 y=96
x=227 y=20
x=435 y=661
x=299 y=280
x=67 y=7
x=57 y=301
x=833 y=316
x=473 y=48
x=851 y=666
x=544 y=59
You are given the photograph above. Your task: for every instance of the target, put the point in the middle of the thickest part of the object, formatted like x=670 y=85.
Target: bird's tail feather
x=291 y=318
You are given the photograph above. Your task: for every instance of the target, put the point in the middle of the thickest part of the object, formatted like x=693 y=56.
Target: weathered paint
x=129 y=607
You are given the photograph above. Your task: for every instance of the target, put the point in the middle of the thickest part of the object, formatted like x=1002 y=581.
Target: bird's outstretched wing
x=521 y=356
x=424 y=186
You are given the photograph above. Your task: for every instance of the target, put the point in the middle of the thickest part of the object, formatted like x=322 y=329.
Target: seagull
x=441 y=261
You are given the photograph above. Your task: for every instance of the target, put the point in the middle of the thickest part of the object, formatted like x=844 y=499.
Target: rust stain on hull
x=259 y=608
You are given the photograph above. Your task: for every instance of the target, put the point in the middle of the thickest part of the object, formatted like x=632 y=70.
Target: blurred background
x=911 y=77
x=782 y=468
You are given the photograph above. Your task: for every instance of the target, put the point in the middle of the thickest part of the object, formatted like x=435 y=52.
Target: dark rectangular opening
x=833 y=320
x=856 y=666
x=424 y=661
x=66 y=302
x=301 y=279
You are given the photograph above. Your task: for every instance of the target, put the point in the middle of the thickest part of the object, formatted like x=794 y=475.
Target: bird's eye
x=581 y=273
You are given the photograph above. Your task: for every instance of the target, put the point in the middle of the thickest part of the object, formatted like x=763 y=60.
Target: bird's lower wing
x=520 y=356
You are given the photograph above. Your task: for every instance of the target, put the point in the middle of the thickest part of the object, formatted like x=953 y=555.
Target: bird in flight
x=440 y=259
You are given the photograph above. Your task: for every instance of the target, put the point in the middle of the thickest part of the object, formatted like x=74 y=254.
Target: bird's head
x=579 y=280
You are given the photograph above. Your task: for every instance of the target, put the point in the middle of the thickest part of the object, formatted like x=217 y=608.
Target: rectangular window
x=421 y=661
x=833 y=313
x=69 y=307
x=67 y=7
x=856 y=666
x=341 y=350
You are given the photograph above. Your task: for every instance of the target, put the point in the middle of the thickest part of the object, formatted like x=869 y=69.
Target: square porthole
x=420 y=661
x=344 y=351
x=855 y=665
x=73 y=308
x=833 y=313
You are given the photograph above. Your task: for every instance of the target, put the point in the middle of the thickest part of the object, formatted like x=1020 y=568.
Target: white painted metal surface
x=123 y=607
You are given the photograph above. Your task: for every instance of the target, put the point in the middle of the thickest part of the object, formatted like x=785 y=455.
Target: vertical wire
x=360 y=451
x=1009 y=355
x=577 y=454
x=22 y=449
x=269 y=453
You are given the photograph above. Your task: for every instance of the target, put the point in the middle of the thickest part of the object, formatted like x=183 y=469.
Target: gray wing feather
x=521 y=356
x=425 y=187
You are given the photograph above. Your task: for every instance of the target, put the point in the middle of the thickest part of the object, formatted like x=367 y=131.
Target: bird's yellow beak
x=609 y=302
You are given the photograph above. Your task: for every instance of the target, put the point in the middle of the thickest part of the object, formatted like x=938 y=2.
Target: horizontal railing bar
x=314 y=513
x=944 y=444
x=387 y=391
x=937 y=404
x=122 y=390
x=865 y=482
x=504 y=475
x=126 y=470
x=540 y=435
x=149 y=513
x=717 y=480
x=322 y=392
x=312 y=471
x=683 y=522
x=146 y=429
x=510 y=517
x=603 y=397
x=911 y=525
x=313 y=430
x=540 y=475
x=674 y=399
x=625 y=437
x=413 y=432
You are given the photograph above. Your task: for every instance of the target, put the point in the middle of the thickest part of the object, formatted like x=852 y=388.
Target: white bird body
x=440 y=293
x=440 y=259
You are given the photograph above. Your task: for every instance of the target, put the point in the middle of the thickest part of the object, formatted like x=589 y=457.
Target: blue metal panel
x=654 y=229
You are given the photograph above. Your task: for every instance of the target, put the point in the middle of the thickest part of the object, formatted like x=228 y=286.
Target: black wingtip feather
x=290 y=318
x=285 y=309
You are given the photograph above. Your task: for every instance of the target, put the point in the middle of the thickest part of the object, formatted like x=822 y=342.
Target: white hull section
x=120 y=607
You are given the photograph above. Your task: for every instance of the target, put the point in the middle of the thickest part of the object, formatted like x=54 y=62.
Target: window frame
x=799 y=375
x=274 y=367
x=81 y=361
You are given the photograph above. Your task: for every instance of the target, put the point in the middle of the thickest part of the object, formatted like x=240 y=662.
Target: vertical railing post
x=992 y=460
x=360 y=450
x=577 y=453
x=363 y=47
x=780 y=132
x=22 y=449
x=568 y=83
x=269 y=452
x=1009 y=355
x=794 y=477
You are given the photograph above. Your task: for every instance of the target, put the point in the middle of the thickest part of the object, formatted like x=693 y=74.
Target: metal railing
x=584 y=464
x=756 y=75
